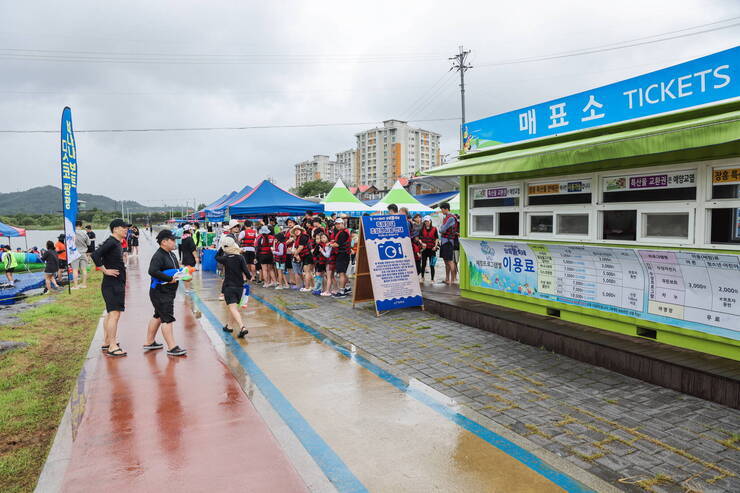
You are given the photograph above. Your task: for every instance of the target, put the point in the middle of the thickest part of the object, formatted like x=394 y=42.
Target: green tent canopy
x=340 y=199
x=399 y=196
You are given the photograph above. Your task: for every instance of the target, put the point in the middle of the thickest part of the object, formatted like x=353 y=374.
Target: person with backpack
x=429 y=238
x=449 y=231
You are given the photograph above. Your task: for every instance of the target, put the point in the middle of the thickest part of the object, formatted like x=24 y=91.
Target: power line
x=610 y=47
x=212 y=129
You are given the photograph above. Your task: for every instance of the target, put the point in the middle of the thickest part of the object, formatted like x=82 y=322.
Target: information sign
x=627 y=183
x=697 y=291
x=559 y=188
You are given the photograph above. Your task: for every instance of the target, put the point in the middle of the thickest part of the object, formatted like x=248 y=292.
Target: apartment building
x=318 y=168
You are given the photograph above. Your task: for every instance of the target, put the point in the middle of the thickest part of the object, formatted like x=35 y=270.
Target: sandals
x=242 y=333
x=116 y=353
x=105 y=348
x=226 y=328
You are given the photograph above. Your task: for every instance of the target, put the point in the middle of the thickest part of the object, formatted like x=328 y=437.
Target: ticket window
x=666 y=226
x=619 y=225
x=572 y=224
x=541 y=223
x=482 y=224
x=725 y=226
x=508 y=223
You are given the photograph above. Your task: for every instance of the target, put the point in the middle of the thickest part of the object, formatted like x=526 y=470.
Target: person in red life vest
x=429 y=237
x=343 y=245
x=417 y=246
x=247 y=239
x=320 y=261
x=263 y=245
x=301 y=257
x=449 y=231
x=329 y=253
x=280 y=254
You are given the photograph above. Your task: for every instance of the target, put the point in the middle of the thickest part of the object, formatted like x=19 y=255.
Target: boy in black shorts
x=162 y=295
x=109 y=257
x=235 y=274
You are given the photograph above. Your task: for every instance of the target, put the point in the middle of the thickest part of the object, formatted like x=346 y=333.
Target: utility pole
x=459 y=64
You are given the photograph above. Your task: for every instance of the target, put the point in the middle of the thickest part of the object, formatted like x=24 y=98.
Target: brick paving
x=635 y=435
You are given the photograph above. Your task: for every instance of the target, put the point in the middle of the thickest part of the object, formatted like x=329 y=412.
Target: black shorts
x=307 y=260
x=320 y=267
x=134 y=242
x=11 y=270
x=265 y=260
x=232 y=294
x=447 y=251
x=164 y=305
x=249 y=257
x=114 y=296
x=62 y=264
x=342 y=263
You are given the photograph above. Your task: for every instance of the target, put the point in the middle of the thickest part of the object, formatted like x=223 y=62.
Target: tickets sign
x=697 y=291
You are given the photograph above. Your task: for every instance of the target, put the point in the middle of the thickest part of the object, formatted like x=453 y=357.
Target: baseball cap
x=339 y=221
x=165 y=234
x=118 y=222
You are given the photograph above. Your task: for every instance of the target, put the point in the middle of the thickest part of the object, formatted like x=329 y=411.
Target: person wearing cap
x=189 y=251
x=61 y=249
x=109 y=258
x=343 y=245
x=236 y=274
x=429 y=238
x=79 y=265
x=163 y=295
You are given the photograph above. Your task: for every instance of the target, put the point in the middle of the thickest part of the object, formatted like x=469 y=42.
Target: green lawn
x=35 y=382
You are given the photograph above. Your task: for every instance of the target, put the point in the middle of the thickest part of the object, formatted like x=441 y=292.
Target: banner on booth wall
x=391 y=262
x=692 y=290
x=69 y=183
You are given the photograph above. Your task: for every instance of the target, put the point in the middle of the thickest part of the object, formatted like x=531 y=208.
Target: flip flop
x=117 y=353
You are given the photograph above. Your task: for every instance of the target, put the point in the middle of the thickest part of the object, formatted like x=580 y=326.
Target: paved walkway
x=634 y=435
x=158 y=423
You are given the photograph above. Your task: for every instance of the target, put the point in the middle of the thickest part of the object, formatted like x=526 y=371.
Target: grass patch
x=441 y=336
x=36 y=381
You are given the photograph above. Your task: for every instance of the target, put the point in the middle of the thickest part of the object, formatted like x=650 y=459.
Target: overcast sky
x=220 y=64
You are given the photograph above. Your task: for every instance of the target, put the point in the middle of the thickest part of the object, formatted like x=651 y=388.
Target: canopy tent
x=202 y=213
x=268 y=198
x=433 y=199
x=399 y=196
x=7 y=230
x=340 y=199
x=455 y=204
x=212 y=214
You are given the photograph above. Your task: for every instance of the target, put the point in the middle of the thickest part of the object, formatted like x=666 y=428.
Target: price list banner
x=698 y=291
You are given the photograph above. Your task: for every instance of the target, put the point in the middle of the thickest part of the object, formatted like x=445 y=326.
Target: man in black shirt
x=109 y=257
x=162 y=295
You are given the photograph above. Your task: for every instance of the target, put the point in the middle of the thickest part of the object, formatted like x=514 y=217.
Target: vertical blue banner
x=390 y=258
x=69 y=183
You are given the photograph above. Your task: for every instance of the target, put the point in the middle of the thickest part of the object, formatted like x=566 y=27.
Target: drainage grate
x=300 y=306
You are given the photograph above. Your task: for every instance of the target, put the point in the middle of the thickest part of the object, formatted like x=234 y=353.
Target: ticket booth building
x=632 y=227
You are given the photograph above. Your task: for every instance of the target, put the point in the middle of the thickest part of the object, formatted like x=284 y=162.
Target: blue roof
x=268 y=198
x=7 y=230
x=241 y=194
x=430 y=199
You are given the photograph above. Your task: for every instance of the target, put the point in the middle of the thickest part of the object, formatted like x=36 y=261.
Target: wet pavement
x=153 y=422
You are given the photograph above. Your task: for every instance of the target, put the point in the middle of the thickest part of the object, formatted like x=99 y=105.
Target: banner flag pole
x=69 y=189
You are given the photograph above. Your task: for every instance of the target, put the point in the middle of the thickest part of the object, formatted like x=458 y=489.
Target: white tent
x=340 y=199
x=399 y=196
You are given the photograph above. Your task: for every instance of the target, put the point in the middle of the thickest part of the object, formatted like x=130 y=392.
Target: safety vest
x=428 y=237
x=248 y=239
x=318 y=256
x=10 y=260
x=346 y=245
x=284 y=256
x=264 y=245
x=454 y=231
x=306 y=247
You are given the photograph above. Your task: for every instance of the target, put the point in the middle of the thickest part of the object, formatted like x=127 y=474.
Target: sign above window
x=627 y=183
x=559 y=188
x=496 y=192
x=709 y=79
x=726 y=176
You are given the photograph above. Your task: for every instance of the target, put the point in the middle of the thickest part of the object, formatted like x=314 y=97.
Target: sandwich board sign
x=386 y=271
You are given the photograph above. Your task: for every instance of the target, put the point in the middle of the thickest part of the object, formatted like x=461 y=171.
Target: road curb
x=60 y=454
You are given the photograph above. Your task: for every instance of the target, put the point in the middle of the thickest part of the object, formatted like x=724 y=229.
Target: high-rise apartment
x=318 y=168
x=392 y=151
x=345 y=167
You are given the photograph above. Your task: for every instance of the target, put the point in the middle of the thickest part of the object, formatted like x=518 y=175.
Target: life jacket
x=318 y=256
x=453 y=232
x=284 y=256
x=416 y=247
x=248 y=239
x=264 y=245
x=428 y=237
x=306 y=248
x=345 y=247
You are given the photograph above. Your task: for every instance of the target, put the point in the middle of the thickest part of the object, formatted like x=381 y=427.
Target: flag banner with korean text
x=692 y=290
x=390 y=257
x=706 y=80
x=69 y=183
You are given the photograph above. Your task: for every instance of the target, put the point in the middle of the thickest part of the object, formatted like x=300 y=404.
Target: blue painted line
x=333 y=467
x=525 y=457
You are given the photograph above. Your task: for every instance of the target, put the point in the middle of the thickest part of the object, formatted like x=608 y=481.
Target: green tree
x=313 y=188
x=201 y=207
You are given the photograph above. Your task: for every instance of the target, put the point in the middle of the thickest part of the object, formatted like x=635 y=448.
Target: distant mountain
x=48 y=200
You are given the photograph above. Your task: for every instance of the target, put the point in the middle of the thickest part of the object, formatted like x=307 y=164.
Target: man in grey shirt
x=79 y=265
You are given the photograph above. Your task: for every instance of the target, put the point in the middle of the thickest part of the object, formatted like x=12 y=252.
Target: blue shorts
x=280 y=266
x=298 y=268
